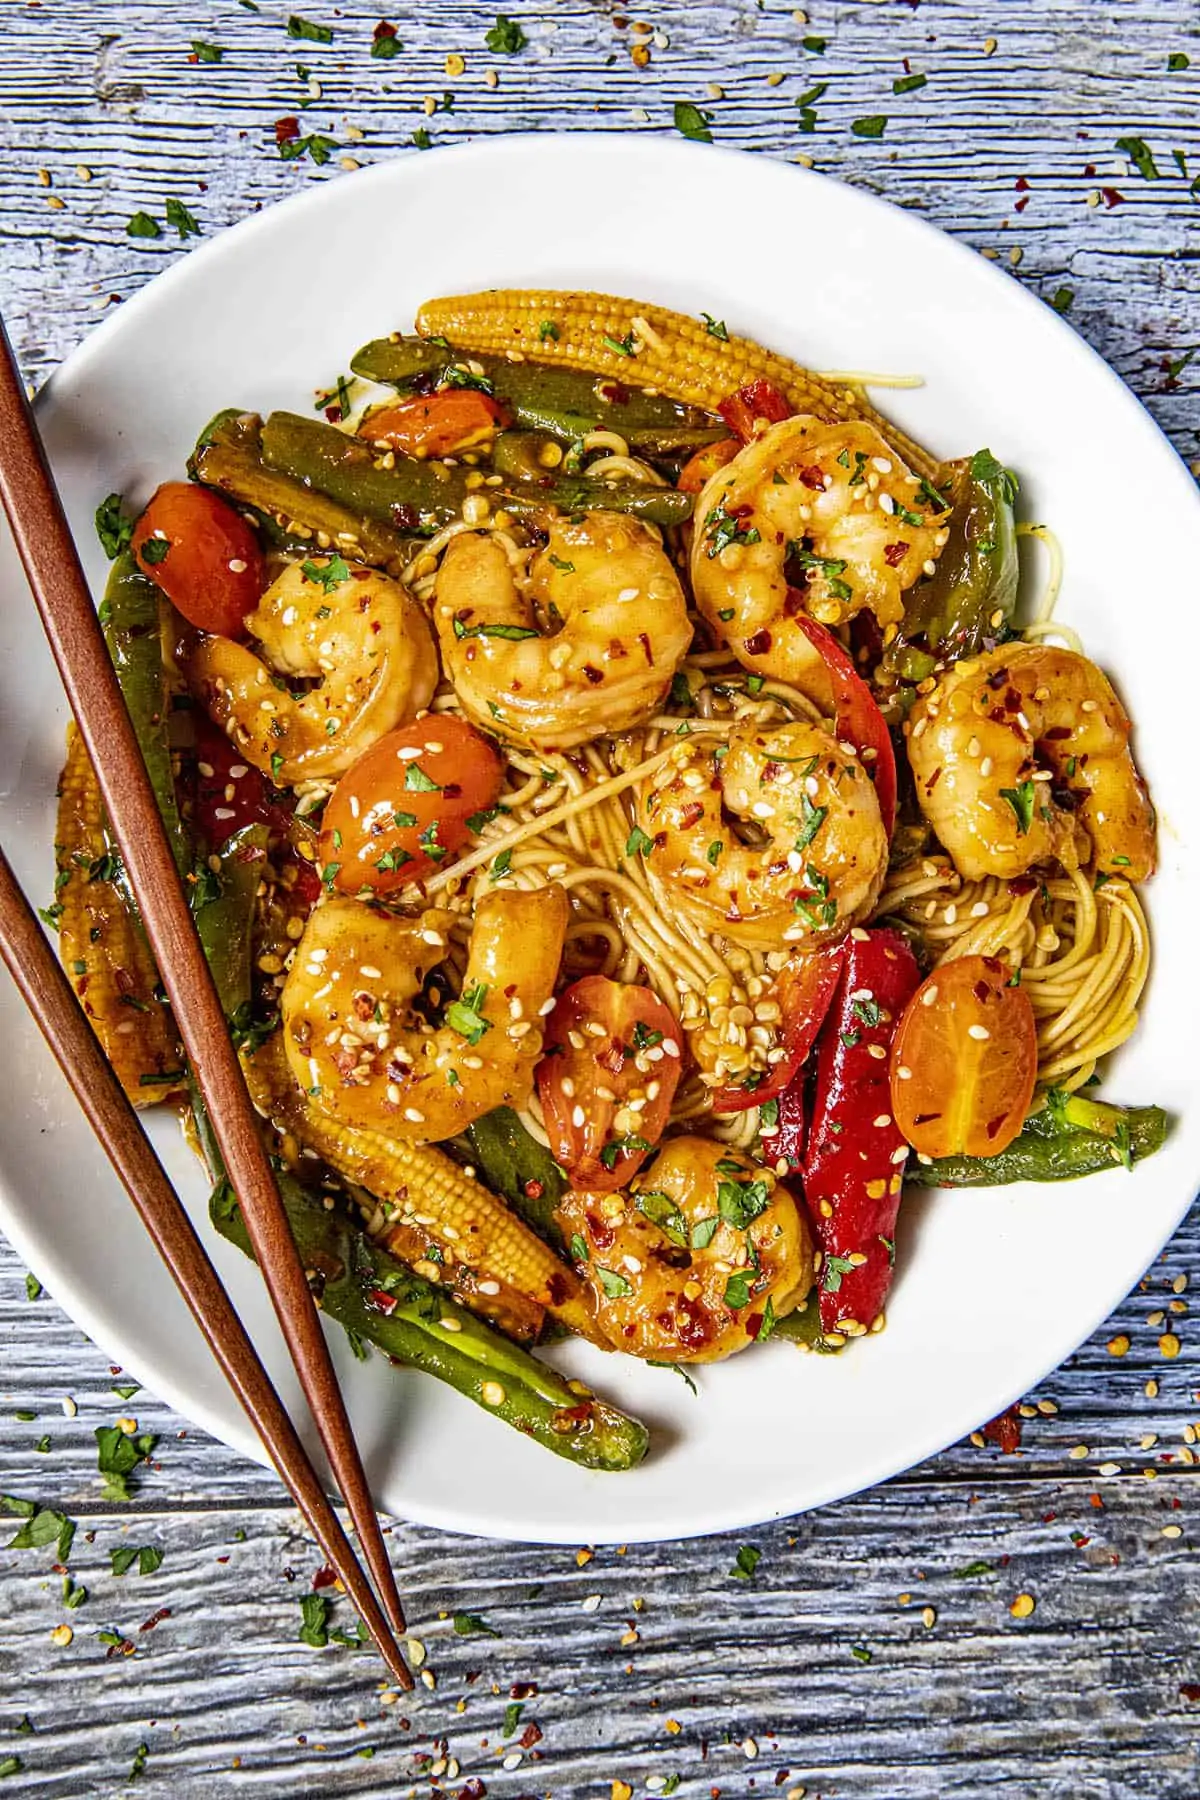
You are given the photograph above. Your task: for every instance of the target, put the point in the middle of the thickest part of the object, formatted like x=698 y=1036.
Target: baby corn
x=472 y=1242
x=645 y=346
x=102 y=946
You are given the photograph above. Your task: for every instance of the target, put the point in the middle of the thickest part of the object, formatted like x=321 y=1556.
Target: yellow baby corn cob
x=491 y=1260
x=102 y=946
x=646 y=346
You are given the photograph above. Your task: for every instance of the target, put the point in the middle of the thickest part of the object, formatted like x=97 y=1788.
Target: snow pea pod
x=420 y=497
x=1069 y=1137
x=130 y=618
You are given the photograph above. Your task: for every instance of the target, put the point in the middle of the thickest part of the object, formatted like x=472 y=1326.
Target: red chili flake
x=1097 y=1502
x=287 y=129
x=813 y=477
x=1112 y=197
x=894 y=554
x=1049 y=1518
x=759 y=644
x=156 y=1618
x=1189 y=1690
x=1021 y=185
x=1022 y=203
x=382 y=1301
x=1089 y=169
x=531 y=1735
x=472 y=1790
x=323 y=1577
x=384 y=29
x=1005 y=1430
x=593 y=674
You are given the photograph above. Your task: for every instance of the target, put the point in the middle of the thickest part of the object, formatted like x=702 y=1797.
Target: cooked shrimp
x=585 y=641
x=1021 y=757
x=361 y=1054
x=821 y=852
x=821 y=517
x=357 y=637
x=684 y=1266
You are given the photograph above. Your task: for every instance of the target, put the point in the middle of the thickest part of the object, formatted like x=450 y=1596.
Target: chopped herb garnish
x=429 y=843
x=715 y=327
x=869 y=1012
x=767 y=1323
x=832 y=1270
x=831 y=567
x=512 y=1717
x=465 y=1015
x=662 y=1211
x=745 y=1563
x=621 y=346
x=931 y=496
x=1178 y=59
x=117 y=1455
x=318 y=149
x=385 y=45
x=330 y=872
x=314 y=1620
x=309 y=30
x=547 y=329
x=873 y=126
x=814 y=45
x=579 y=1249
x=501 y=865
x=908 y=84
x=1141 y=156
x=328 y=575
x=755 y=684
x=421 y=139
x=468 y=1624
x=722 y=529
x=738 y=1289
x=183 y=221
x=692 y=123
x=143 y=226
x=704 y=1231
x=154 y=549
x=114 y=527
x=416 y=781
x=811 y=820
x=505 y=37
x=860 y=1653
x=739 y=1203
x=615 y=1286
x=1020 y=799
x=513 y=632
x=1062 y=299
x=623 y=1146
x=403 y=820
x=33 y=1287
x=638 y=843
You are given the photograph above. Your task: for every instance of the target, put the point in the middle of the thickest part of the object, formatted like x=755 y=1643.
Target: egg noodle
x=1082 y=949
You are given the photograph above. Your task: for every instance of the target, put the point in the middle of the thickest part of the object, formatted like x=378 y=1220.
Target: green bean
x=228 y=457
x=423 y=496
x=565 y=402
x=373 y=1296
x=516 y=1166
x=1069 y=1137
x=131 y=618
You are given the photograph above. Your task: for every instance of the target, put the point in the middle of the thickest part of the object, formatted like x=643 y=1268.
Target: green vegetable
x=367 y=1291
x=141 y=225
x=804 y=1326
x=506 y=37
x=968 y=603
x=515 y=1166
x=431 y=495
x=307 y=29
x=1069 y=1137
x=130 y=618
x=873 y=126
x=228 y=457
x=692 y=123
x=562 y=402
x=1141 y=156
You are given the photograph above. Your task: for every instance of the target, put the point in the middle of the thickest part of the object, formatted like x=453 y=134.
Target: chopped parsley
x=832 y=1270
x=986 y=468
x=547 y=329
x=715 y=328
x=317 y=148
x=739 y=1203
x=662 y=1211
x=475 y=823
x=567 y=568
x=458 y=375
x=141 y=225
x=1178 y=60
x=1020 y=799
x=117 y=1456
x=308 y=30
x=814 y=45
x=768 y=1322
x=620 y=346
x=314 y=1620
x=831 y=567
x=713 y=853
x=1141 y=156
x=873 y=126
x=908 y=84
x=704 y=1231
x=384 y=43
x=148 y=1558
x=404 y=820
x=615 y=1286
x=114 y=527
x=745 y=1563
x=183 y=221
x=1062 y=299
x=154 y=550
x=721 y=529
x=811 y=820
x=469 y=1624
x=505 y=37
x=429 y=843
x=579 y=1249
x=869 y=1012
x=501 y=865
x=513 y=632
x=416 y=781
x=690 y=122
x=623 y=1146
x=931 y=496
x=465 y=1015
x=327 y=576
x=638 y=843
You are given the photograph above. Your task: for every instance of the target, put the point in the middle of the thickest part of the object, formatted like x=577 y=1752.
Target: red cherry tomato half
x=804 y=990
x=607 y=1043
x=859 y=720
x=436 y=424
x=408 y=804
x=202 y=554
x=706 y=461
x=964 y=1060
x=227 y=794
x=752 y=404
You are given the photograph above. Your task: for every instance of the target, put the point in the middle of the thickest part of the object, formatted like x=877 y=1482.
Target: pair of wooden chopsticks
x=44 y=542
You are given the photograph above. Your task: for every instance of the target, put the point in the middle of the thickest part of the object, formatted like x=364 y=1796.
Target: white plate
x=995 y=1287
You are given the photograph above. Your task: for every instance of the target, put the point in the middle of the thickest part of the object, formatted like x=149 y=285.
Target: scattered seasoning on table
x=506 y=37
x=1141 y=156
x=872 y=126
x=384 y=43
x=309 y=30
x=203 y=52
x=690 y=122
x=141 y=225
x=1022 y=1606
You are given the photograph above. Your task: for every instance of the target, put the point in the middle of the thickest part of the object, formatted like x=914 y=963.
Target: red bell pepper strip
x=859 y=719
x=224 y=803
x=854 y=1158
x=757 y=400
x=804 y=990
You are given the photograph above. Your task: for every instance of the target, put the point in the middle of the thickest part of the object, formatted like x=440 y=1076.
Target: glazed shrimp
x=684 y=1265
x=821 y=857
x=585 y=641
x=821 y=517
x=358 y=637
x=1021 y=757
x=360 y=1053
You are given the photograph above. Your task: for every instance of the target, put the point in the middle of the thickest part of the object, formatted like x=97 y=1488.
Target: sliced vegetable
x=859 y=719
x=964 y=1060
x=421 y=496
x=1071 y=1136
x=609 y=1046
x=374 y=1297
x=966 y=605
x=804 y=990
x=758 y=403
x=855 y=1154
x=413 y=800
x=203 y=556
x=443 y=424
x=130 y=617
x=521 y=1170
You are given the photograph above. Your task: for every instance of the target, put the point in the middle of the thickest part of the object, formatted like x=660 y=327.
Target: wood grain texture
x=1084 y=1700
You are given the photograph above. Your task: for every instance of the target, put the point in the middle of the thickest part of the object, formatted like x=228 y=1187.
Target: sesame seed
x=492 y=1394
x=929 y=996
x=1079 y=1453
x=592 y=1603
x=1110 y=1468
x=1169 y=1345
x=1022 y=1606
x=413 y=1116
x=903 y=1074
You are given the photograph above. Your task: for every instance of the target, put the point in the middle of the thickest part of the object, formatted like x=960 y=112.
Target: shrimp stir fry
x=813 y=517
x=1021 y=758
x=684 y=1265
x=363 y=1055
x=356 y=641
x=586 y=641
x=817 y=857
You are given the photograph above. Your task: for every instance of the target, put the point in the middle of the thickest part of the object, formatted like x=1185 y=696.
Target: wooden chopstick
x=47 y=550
x=60 y=1018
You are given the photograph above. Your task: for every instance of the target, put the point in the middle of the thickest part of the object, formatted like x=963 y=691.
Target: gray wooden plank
x=980 y=1702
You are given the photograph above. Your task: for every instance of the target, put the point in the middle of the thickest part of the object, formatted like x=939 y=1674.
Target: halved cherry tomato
x=859 y=719
x=706 y=461
x=804 y=990
x=227 y=794
x=756 y=401
x=436 y=424
x=202 y=554
x=408 y=804
x=964 y=1060
x=607 y=1044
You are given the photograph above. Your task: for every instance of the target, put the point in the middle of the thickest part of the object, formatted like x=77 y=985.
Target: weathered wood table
x=880 y=1651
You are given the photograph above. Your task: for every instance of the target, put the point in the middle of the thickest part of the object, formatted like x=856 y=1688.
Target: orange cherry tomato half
x=964 y=1060
x=705 y=462
x=607 y=1044
x=436 y=424
x=413 y=800
x=202 y=554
